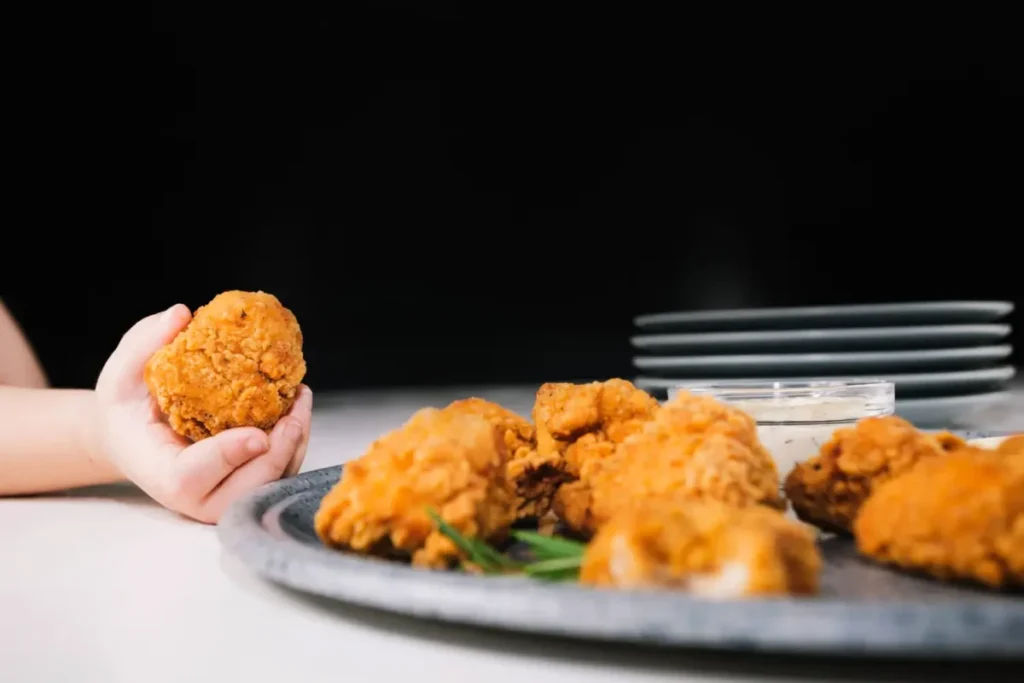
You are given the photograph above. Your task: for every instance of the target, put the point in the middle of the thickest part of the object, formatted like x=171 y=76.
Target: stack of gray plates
x=949 y=360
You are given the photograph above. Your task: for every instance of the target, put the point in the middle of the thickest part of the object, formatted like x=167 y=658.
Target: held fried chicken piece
x=695 y=447
x=238 y=363
x=707 y=548
x=828 y=489
x=579 y=422
x=453 y=462
x=535 y=477
x=956 y=517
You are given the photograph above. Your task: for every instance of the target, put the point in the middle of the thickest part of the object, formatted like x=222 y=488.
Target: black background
x=447 y=196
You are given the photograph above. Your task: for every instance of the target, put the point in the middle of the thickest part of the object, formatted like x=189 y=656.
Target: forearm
x=19 y=366
x=49 y=441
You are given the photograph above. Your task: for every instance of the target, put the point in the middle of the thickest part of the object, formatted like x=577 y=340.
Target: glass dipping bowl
x=794 y=419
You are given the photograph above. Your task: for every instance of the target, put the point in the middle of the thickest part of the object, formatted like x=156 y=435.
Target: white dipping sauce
x=793 y=429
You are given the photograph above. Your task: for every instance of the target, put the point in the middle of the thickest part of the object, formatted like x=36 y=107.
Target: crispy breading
x=1013 y=444
x=535 y=476
x=579 y=422
x=238 y=363
x=956 y=517
x=708 y=548
x=451 y=461
x=694 y=447
x=828 y=489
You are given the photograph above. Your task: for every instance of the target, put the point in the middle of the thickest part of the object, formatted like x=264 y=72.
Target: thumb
x=122 y=375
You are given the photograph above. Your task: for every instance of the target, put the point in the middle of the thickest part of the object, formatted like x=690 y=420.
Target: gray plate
x=863 y=609
x=915 y=313
x=851 y=339
x=765 y=364
x=907 y=384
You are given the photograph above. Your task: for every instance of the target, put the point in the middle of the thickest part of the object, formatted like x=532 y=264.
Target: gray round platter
x=753 y=365
x=848 y=339
x=909 y=313
x=863 y=608
x=912 y=384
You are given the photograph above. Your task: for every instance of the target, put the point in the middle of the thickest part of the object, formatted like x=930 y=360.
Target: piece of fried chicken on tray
x=581 y=422
x=451 y=461
x=956 y=517
x=705 y=547
x=534 y=475
x=1012 y=444
x=693 y=447
x=828 y=489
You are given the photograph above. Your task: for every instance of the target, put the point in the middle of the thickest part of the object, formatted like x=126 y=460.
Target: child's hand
x=198 y=480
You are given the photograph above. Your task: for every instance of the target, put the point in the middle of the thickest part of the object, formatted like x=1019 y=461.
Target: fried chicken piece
x=995 y=443
x=536 y=477
x=707 y=548
x=1012 y=445
x=238 y=363
x=956 y=517
x=949 y=441
x=694 y=448
x=828 y=489
x=453 y=462
x=579 y=422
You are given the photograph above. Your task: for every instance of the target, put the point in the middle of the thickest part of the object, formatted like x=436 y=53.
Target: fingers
x=122 y=375
x=286 y=441
x=202 y=467
x=302 y=411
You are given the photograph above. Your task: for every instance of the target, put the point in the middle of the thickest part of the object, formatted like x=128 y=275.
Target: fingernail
x=169 y=313
x=293 y=430
x=255 y=445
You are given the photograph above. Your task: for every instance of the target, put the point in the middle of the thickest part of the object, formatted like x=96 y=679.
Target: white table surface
x=103 y=585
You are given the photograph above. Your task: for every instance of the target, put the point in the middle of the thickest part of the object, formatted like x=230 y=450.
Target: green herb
x=481 y=554
x=550 y=547
x=558 y=559
x=556 y=576
x=560 y=564
x=561 y=569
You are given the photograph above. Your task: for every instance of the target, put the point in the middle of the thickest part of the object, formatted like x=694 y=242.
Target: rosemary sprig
x=559 y=569
x=480 y=554
x=552 y=574
x=560 y=564
x=550 y=547
x=556 y=576
x=558 y=559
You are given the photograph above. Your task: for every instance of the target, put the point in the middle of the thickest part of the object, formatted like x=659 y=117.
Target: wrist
x=91 y=435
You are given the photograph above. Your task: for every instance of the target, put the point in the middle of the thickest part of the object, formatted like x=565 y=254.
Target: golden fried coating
x=948 y=441
x=694 y=447
x=703 y=415
x=535 y=477
x=1013 y=444
x=828 y=489
x=238 y=363
x=708 y=548
x=956 y=517
x=451 y=461
x=579 y=422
